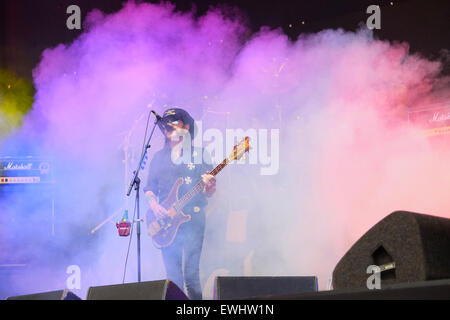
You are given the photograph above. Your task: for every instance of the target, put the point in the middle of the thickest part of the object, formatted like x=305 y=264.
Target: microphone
x=158 y=117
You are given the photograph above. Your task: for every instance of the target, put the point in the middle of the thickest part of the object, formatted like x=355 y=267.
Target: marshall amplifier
x=27 y=207
x=22 y=171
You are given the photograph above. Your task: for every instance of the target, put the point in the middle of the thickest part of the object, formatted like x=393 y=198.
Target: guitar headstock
x=240 y=149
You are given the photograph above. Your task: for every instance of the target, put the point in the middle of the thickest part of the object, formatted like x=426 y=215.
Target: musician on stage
x=165 y=168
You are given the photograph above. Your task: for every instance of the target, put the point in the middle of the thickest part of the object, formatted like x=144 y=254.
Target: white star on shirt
x=191 y=166
x=187 y=180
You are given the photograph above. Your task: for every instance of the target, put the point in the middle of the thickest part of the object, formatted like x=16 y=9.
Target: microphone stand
x=136 y=184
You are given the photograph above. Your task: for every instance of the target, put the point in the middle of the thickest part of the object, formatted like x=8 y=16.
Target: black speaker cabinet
x=52 y=295
x=405 y=247
x=150 y=290
x=229 y=288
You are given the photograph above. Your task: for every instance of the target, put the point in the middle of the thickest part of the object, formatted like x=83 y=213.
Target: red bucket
x=124 y=228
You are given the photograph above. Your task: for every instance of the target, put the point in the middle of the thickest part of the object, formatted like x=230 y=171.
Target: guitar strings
x=182 y=202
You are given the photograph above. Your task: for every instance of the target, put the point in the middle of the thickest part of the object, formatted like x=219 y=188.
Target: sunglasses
x=171 y=126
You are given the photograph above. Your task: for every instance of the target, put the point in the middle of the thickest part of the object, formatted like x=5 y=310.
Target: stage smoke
x=347 y=154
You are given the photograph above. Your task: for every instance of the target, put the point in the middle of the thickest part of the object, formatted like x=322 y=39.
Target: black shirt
x=163 y=173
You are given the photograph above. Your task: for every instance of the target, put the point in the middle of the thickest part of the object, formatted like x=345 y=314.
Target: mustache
x=177 y=133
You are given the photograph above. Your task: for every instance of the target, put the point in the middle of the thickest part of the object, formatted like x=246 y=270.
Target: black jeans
x=187 y=242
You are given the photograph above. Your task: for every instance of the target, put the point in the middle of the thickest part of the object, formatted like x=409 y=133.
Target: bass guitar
x=163 y=230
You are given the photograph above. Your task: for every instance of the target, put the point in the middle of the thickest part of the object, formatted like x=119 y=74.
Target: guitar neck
x=198 y=187
x=219 y=167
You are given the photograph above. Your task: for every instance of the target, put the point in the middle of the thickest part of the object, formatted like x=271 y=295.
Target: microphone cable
x=129 y=242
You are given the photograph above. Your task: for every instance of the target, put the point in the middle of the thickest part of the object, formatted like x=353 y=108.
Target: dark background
x=27 y=27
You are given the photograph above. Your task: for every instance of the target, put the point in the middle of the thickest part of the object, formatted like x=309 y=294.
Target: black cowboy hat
x=175 y=114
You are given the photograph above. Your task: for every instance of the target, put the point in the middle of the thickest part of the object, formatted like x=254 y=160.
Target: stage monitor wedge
x=149 y=290
x=231 y=288
x=405 y=246
x=51 y=295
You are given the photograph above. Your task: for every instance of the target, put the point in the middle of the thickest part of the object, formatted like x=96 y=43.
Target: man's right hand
x=159 y=211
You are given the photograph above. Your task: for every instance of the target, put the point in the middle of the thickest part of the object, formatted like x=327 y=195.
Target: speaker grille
x=247 y=287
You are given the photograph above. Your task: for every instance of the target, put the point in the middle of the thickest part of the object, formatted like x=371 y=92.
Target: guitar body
x=163 y=230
